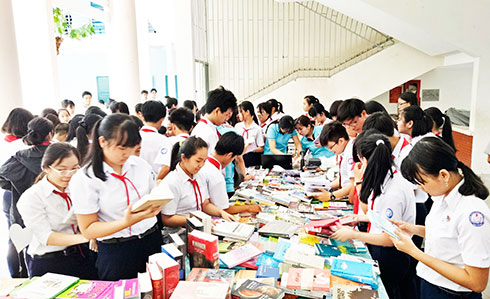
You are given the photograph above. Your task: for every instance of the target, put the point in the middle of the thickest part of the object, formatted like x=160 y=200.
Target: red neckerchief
x=123 y=179
x=195 y=184
x=215 y=162
x=438 y=134
x=46 y=143
x=245 y=131
x=265 y=122
x=149 y=130
x=10 y=138
x=206 y=122
x=404 y=144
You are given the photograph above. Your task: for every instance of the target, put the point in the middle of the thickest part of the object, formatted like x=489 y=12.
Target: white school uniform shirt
x=396 y=201
x=184 y=200
x=420 y=195
x=346 y=167
x=457 y=231
x=208 y=132
x=277 y=115
x=164 y=155
x=265 y=127
x=9 y=147
x=43 y=212
x=401 y=151
x=252 y=136
x=108 y=198
x=153 y=145
x=216 y=184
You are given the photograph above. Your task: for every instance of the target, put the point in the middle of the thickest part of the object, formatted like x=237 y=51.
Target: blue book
x=356 y=271
x=266 y=259
x=267 y=271
x=327 y=250
x=281 y=249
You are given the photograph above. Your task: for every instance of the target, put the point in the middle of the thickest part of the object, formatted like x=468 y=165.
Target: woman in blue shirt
x=309 y=133
x=278 y=137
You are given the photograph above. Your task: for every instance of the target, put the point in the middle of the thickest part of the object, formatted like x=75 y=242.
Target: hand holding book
x=131 y=218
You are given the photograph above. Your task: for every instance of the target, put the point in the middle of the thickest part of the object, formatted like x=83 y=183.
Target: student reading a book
x=228 y=147
x=456 y=258
x=335 y=138
x=278 y=137
x=252 y=134
x=181 y=122
x=219 y=108
x=387 y=194
x=384 y=123
x=352 y=113
x=188 y=185
x=57 y=246
x=103 y=193
x=309 y=133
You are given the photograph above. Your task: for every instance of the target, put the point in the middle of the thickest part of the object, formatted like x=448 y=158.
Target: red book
x=170 y=273
x=203 y=250
x=156 y=280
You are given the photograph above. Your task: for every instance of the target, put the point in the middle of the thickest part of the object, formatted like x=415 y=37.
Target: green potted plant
x=61 y=28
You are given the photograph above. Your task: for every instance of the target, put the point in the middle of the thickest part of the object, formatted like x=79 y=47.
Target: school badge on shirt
x=389 y=213
x=477 y=218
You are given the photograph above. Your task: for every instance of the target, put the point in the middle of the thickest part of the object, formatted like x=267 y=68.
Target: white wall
x=454 y=84
x=364 y=80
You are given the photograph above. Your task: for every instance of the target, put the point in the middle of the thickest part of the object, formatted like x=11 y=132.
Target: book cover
x=205 y=219
x=201 y=290
x=342 y=281
x=192 y=224
x=245 y=274
x=300 y=279
x=357 y=271
x=160 y=196
x=281 y=249
x=86 y=289
x=131 y=290
x=353 y=292
x=203 y=250
x=250 y=264
x=267 y=259
x=327 y=250
x=240 y=255
x=321 y=280
x=197 y=274
x=145 y=287
x=170 y=272
x=258 y=290
x=47 y=286
x=156 y=278
x=235 y=230
x=278 y=228
x=268 y=271
x=220 y=275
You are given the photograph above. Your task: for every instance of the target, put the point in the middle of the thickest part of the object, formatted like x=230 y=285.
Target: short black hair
x=334 y=108
x=101 y=102
x=220 y=98
x=47 y=111
x=144 y=91
x=16 y=122
x=37 y=131
x=86 y=93
x=137 y=107
x=381 y=122
x=66 y=103
x=410 y=98
x=373 y=106
x=153 y=90
x=230 y=142
x=62 y=129
x=189 y=104
x=53 y=118
x=119 y=107
x=349 y=109
x=183 y=118
x=333 y=132
x=171 y=102
x=316 y=109
x=286 y=123
x=153 y=111
x=95 y=110
x=137 y=121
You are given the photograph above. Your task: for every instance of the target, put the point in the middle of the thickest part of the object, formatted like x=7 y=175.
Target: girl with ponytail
x=416 y=123
x=84 y=134
x=442 y=125
x=277 y=111
x=103 y=193
x=188 y=185
x=385 y=193
x=251 y=132
x=455 y=261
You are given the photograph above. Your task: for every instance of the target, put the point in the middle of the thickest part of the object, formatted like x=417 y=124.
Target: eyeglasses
x=330 y=148
x=352 y=123
x=67 y=172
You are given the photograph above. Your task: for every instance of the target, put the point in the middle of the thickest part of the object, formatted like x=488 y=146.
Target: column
x=10 y=85
x=124 y=78
x=142 y=8
x=38 y=62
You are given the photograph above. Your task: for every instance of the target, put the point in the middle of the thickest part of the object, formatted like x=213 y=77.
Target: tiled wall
x=464 y=145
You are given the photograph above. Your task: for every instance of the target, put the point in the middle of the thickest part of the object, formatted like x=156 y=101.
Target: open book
x=159 y=196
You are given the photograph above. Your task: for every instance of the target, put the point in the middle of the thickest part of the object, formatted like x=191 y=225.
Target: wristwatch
x=332 y=197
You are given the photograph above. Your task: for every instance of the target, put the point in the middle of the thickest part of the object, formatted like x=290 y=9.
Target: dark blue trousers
x=80 y=263
x=123 y=260
x=395 y=271
x=15 y=261
x=431 y=291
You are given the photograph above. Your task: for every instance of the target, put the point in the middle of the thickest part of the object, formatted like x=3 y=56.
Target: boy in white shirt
x=229 y=146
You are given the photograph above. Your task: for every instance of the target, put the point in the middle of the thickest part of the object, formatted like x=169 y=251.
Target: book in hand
x=87 y=289
x=353 y=292
x=170 y=272
x=203 y=250
x=201 y=290
x=47 y=286
x=240 y=255
x=159 y=196
x=234 y=230
x=383 y=223
x=254 y=289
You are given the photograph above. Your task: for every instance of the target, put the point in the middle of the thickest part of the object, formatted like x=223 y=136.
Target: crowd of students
x=100 y=162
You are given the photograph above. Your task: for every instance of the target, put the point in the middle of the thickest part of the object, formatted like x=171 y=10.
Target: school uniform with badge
x=401 y=151
x=44 y=208
x=346 y=165
x=153 y=146
x=215 y=182
x=123 y=254
x=208 y=132
x=457 y=231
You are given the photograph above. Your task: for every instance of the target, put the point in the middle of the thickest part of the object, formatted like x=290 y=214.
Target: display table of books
x=284 y=251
